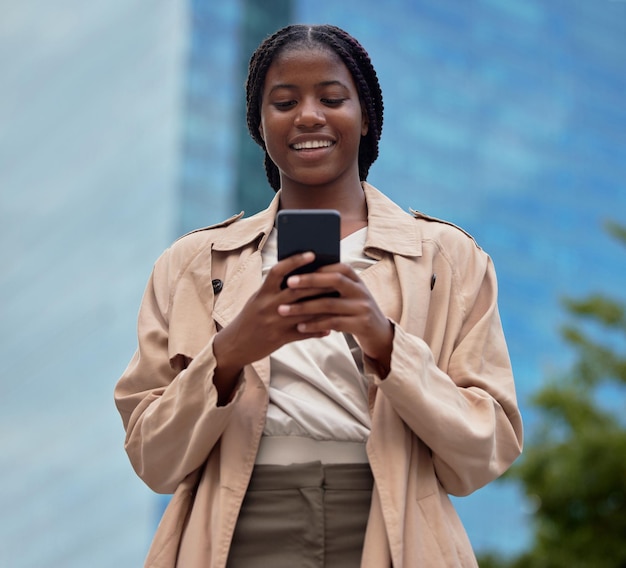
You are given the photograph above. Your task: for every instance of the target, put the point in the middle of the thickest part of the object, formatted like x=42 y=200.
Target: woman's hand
x=355 y=311
x=259 y=329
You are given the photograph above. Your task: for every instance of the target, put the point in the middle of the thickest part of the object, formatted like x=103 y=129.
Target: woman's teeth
x=310 y=144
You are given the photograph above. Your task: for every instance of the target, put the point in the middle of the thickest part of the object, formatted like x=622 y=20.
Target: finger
x=325 y=281
x=321 y=325
x=290 y=296
x=283 y=267
x=310 y=302
x=340 y=268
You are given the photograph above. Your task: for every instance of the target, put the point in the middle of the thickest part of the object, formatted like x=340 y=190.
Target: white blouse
x=317 y=389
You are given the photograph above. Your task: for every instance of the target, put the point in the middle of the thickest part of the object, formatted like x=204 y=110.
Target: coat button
x=433 y=279
x=217 y=285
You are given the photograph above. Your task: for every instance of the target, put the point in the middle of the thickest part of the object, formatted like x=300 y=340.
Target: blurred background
x=122 y=126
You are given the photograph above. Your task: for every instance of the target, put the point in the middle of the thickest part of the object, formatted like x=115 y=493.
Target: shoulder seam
x=219 y=225
x=419 y=215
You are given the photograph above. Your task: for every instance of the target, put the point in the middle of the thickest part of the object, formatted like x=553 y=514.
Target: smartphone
x=302 y=230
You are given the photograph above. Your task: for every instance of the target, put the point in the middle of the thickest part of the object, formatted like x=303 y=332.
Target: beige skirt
x=310 y=515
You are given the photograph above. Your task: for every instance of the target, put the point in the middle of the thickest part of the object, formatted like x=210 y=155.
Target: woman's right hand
x=259 y=330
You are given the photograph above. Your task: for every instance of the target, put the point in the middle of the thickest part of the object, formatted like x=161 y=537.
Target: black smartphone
x=302 y=230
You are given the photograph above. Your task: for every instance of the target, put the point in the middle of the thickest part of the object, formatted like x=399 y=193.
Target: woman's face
x=311 y=119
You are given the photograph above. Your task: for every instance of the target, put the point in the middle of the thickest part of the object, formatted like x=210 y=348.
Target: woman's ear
x=365 y=123
x=261 y=132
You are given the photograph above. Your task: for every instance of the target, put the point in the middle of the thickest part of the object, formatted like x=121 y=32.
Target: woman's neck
x=351 y=204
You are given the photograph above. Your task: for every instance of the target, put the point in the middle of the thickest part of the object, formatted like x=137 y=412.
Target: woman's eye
x=333 y=102
x=282 y=105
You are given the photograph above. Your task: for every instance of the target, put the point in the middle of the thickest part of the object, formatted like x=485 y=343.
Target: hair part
x=358 y=63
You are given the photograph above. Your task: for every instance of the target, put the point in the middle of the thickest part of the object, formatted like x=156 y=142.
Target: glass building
x=123 y=127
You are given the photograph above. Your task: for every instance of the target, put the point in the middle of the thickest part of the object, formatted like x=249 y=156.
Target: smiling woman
x=311 y=125
x=328 y=432
x=316 y=39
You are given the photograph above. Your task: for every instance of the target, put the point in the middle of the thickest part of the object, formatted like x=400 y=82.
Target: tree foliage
x=574 y=465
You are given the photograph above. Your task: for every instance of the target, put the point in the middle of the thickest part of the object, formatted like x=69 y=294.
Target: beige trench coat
x=444 y=421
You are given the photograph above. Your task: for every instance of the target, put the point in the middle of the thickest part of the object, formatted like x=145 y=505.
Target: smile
x=312 y=144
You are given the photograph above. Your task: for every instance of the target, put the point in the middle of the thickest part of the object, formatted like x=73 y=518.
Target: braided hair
x=358 y=63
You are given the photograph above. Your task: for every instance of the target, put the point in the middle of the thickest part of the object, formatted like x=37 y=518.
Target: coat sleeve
x=462 y=406
x=168 y=405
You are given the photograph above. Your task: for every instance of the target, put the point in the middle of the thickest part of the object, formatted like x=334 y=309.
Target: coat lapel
x=239 y=282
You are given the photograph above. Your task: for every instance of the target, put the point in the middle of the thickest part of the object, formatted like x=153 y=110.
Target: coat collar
x=390 y=229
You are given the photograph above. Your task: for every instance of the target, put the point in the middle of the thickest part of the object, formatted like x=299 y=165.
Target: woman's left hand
x=355 y=311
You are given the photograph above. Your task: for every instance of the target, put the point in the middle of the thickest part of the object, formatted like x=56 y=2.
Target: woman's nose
x=310 y=115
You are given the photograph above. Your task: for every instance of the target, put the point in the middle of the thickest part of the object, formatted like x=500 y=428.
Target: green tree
x=574 y=464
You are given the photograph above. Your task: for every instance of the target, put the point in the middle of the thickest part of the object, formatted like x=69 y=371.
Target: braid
x=358 y=64
x=272 y=173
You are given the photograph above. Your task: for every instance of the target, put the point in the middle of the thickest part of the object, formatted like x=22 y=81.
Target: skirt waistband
x=337 y=476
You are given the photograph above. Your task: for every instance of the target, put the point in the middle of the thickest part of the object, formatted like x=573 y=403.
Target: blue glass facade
x=120 y=132
x=210 y=83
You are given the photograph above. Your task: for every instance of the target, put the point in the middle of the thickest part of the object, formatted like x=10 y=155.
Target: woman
x=327 y=432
